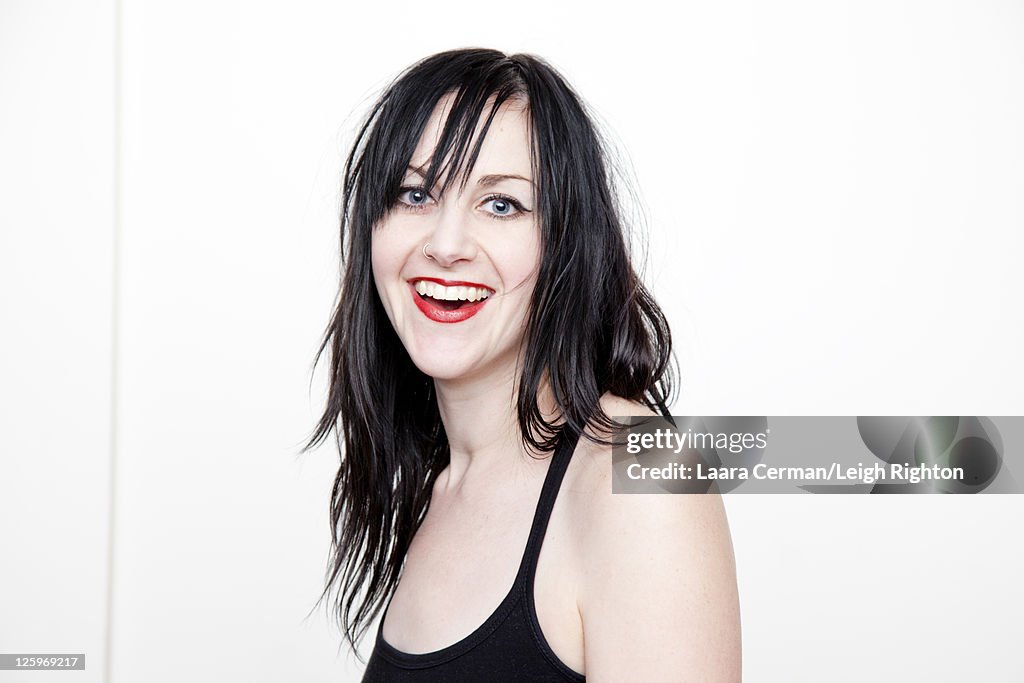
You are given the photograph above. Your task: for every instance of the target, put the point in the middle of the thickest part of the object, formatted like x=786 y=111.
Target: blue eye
x=502 y=206
x=414 y=196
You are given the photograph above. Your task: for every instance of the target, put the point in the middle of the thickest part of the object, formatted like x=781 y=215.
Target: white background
x=834 y=196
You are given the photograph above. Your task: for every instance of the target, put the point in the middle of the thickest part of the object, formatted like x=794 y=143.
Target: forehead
x=505 y=148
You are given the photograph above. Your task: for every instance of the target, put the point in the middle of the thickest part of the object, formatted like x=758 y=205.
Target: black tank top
x=509 y=645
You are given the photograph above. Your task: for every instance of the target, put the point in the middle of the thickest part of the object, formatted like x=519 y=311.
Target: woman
x=489 y=326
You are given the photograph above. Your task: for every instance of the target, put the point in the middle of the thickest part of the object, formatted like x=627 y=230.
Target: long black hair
x=592 y=327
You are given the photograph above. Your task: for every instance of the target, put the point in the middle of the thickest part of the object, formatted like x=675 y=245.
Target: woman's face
x=459 y=305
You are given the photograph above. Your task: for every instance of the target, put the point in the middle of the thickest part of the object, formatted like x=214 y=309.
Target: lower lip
x=442 y=315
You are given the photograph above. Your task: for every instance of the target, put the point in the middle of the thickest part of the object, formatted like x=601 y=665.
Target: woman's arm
x=658 y=598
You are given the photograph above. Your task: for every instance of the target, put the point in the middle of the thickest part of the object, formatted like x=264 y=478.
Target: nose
x=451 y=240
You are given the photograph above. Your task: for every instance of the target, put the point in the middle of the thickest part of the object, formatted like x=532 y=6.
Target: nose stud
x=425 y=254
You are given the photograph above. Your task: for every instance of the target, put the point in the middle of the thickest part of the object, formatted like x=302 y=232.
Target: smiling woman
x=485 y=232
x=489 y=328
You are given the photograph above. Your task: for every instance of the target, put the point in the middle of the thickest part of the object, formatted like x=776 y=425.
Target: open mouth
x=446 y=305
x=447 y=301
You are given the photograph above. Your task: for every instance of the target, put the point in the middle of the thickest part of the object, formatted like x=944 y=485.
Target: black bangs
x=466 y=81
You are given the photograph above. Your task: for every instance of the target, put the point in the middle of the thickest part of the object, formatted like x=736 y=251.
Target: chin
x=445 y=356
x=454 y=362
x=442 y=368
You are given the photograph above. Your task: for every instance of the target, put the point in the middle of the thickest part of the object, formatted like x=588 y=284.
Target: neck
x=479 y=416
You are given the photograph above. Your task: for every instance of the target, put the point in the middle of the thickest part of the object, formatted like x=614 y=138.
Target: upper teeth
x=436 y=291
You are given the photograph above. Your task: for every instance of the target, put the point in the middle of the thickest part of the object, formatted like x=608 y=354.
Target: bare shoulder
x=590 y=473
x=656 y=575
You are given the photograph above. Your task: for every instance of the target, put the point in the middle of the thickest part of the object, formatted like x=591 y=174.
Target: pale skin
x=628 y=587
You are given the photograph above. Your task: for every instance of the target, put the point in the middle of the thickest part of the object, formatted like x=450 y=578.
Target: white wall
x=222 y=532
x=833 y=192
x=56 y=222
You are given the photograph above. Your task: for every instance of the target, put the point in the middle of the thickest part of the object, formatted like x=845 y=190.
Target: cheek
x=518 y=262
x=384 y=250
x=385 y=263
x=523 y=260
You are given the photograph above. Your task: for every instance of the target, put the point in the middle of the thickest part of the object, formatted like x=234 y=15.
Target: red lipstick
x=436 y=313
x=451 y=283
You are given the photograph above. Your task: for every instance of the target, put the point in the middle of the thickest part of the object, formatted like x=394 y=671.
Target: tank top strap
x=548 y=493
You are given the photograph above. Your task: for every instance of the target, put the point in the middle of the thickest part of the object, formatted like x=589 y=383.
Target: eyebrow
x=484 y=181
x=488 y=180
